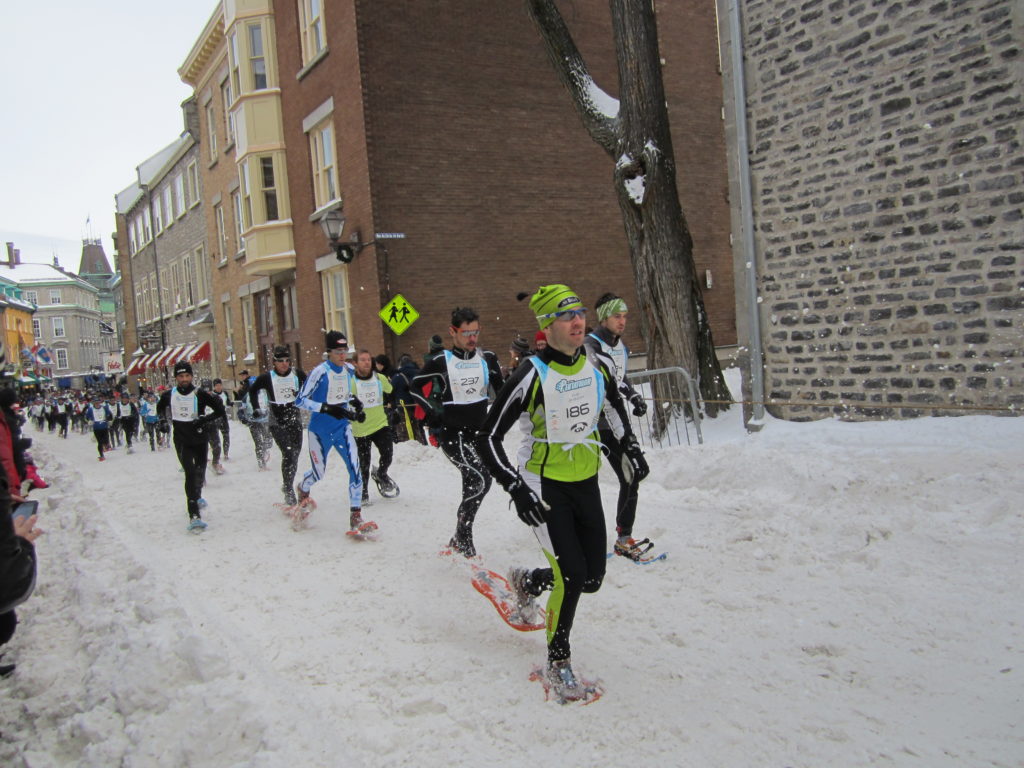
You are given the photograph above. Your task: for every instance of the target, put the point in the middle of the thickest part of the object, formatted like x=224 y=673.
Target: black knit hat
x=183 y=366
x=335 y=340
x=281 y=353
x=436 y=344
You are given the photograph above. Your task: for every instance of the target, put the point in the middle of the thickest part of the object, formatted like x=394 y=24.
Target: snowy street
x=834 y=595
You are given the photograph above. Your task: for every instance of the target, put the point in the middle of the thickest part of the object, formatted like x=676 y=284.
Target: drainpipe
x=739 y=90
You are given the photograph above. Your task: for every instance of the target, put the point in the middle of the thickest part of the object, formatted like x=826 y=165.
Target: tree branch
x=597 y=110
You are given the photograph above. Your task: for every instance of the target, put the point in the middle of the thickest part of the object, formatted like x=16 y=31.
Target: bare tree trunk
x=636 y=136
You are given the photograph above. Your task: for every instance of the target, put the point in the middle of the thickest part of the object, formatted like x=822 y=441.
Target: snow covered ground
x=835 y=595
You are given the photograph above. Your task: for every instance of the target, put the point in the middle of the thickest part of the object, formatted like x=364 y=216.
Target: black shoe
x=6 y=670
x=463 y=545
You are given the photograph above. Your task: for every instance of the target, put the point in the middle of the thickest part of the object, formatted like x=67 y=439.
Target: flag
x=42 y=355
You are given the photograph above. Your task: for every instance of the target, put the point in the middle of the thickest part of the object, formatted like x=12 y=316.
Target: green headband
x=611 y=307
x=551 y=300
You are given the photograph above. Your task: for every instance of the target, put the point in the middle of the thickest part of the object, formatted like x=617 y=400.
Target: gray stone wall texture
x=885 y=142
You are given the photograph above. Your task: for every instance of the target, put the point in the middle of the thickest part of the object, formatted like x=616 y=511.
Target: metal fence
x=666 y=422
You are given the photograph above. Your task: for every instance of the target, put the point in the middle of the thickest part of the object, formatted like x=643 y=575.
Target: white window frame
x=202 y=277
x=55 y=296
x=245 y=190
x=165 y=196
x=192 y=172
x=269 y=193
x=324 y=163
x=311 y=29
x=222 y=234
x=211 y=131
x=248 y=326
x=37 y=328
x=236 y=203
x=337 y=312
x=57 y=325
x=61 y=364
x=233 y=64
x=254 y=39
x=179 y=195
x=227 y=97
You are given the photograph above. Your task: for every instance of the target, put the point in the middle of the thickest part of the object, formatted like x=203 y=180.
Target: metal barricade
x=662 y=389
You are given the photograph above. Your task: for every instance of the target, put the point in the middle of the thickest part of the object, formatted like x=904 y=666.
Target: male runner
x=328 y=394
x=555 y=487
x=606 y=338
x=372 y=388
x=191 y=411
x=452 y=390
x=281 y=386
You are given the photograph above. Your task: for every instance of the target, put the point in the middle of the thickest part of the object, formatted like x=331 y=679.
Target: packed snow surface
x=835 y=594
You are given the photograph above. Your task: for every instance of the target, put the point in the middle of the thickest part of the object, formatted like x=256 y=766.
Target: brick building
x=886 y=165
x=463 y=141
x=164 y=262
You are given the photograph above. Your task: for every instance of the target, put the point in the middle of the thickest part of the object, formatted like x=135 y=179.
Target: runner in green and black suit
x=561 y=393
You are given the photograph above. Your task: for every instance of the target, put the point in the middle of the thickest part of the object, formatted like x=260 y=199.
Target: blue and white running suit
x=328 y=383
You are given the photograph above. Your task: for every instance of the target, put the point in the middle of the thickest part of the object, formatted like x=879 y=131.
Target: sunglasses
x=567 y=314
x=469 y=334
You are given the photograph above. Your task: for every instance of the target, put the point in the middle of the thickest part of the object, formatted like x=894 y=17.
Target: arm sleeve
x=494 y=371
x=163 y=405
x=306 y=392
x=262 y=382
x=504 y=412
x=615 y=403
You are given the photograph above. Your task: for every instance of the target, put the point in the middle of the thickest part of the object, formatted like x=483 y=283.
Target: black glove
x=338 y=411
x=357 y=405
x=638 y=403
x=633 y=462
x=531 y=509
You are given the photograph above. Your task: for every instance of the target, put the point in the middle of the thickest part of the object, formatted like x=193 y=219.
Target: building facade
x=888 y=210
x=475 y=163
x=68 y=344
x=164 y=263
x=18 y=364
x=233 y=69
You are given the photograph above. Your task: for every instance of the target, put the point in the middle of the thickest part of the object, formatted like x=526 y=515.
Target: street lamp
x=333 y=224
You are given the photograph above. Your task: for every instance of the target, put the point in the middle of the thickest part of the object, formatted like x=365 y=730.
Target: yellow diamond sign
x=398 y=314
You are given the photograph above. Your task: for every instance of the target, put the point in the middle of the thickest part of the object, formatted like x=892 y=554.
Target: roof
x=150 y=170
x=27 y=274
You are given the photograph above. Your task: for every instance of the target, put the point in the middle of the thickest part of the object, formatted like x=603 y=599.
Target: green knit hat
x=549 y=300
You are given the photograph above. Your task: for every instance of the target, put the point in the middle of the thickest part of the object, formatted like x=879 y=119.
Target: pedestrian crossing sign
x=398 y=314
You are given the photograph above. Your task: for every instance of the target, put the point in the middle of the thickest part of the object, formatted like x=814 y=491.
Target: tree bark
x=636 y=136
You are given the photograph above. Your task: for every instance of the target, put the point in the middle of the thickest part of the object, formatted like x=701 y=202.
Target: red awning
x=164 y=357
x=180 y=352
x=202 y=353
x=137 y=366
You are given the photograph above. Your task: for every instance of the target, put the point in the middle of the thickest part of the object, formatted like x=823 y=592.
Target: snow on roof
x=151 y=169
x=23 y=274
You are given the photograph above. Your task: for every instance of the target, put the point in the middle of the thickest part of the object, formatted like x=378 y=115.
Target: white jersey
x=467 y=379
x=286 y=388
x=184 y=407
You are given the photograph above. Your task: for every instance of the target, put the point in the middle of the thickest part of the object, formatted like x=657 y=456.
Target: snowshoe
x=632 y=549
x=196 y=525
x=388 y=488
x=361 y=530
x=564 y=686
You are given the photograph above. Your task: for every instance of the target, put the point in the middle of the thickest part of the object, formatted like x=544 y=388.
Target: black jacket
x=210 y=408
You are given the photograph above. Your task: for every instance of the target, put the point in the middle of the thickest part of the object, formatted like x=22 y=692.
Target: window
x=228 y=326
x=211 y=131
x=321 y=152
x=177 y=297
x=311 y=29
x=55 y=296
x=154 y=298
x=179 y=195
x=264 y=317
x=202 y=279
x=243 y=187
x=335 y=288
x=58 y=327
x=269 y=190
x=257 y=64
x=229 y=119
x=165 y=197
x=221 y=245
x=247 y=326
x=233 y=62
x=140 y=308
x=37 y=329
x=286 y=299
x=132 y=247
x=165 y=298
x=146 y=226
x=236 y=203
x=158 y=215
x=188 y=287
x=62 y=359
x=193 y=184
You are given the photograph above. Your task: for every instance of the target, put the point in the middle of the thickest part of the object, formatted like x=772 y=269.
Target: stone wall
x=885 y=147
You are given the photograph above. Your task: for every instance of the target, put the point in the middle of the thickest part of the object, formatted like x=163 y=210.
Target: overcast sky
x=89 y=91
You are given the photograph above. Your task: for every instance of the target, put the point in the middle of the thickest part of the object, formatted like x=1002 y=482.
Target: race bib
x=467 y=379
x=369 y=391
x=337 y=386
x=618 y=357
x=184 y=407
x=285 y=388
x=572 y=402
